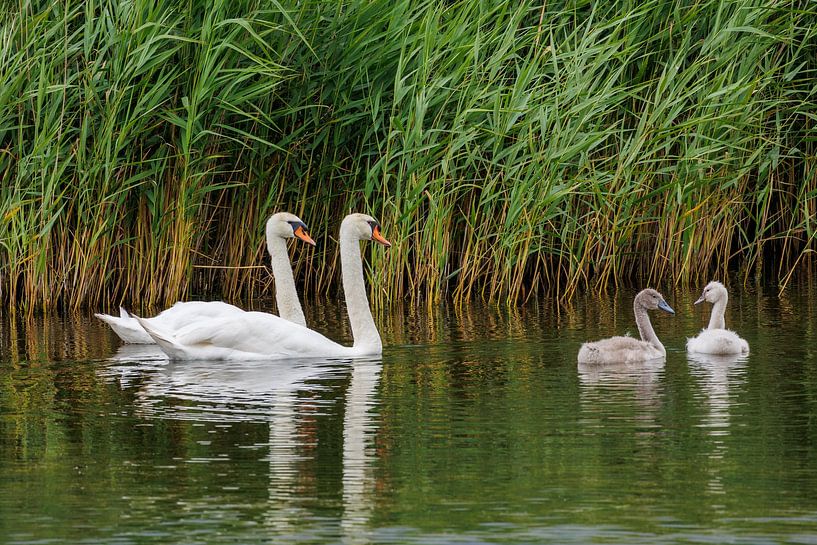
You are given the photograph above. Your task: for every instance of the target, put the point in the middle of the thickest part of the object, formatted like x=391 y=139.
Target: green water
x=475 y=426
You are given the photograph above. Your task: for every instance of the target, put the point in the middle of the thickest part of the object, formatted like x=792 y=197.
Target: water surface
x=475 y=426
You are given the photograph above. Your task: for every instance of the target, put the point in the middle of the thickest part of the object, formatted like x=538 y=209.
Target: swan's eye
x=298 y=225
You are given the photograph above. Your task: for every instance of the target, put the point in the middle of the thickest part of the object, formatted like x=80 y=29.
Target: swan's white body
x=258 y=335
x=249 y=336
x=628 y=349
x=716 y=339
x=280 y=227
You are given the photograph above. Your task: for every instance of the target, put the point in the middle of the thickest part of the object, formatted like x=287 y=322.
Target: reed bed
x=509 y=148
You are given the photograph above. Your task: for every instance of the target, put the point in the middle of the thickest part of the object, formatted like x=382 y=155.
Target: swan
x=280 y=226
x=259 y=335
x=628 y=349
x=716 y=339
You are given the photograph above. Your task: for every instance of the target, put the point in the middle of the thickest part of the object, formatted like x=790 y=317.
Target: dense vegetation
x=508 y=148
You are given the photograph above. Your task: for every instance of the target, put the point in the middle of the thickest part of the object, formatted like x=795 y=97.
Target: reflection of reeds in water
x=514 y=149
x=69 y=336
x=404 y=323
x=32 y=386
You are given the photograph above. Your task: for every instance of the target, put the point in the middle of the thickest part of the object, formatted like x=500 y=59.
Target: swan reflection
x=604 y=385
x=359 y=430
x=277 y=393
x=138 y=353
x=717 y=375
x=642 y=378
x=621 y=374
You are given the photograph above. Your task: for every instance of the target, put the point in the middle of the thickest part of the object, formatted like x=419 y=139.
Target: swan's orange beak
x=377 y=237
x=301 y=233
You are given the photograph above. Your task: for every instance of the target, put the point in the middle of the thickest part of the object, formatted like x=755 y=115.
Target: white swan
x=716 y=339
x=280 y=226
x=628 y=349
x=258 y=335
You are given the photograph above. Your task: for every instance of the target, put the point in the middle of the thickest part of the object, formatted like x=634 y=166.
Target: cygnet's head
x=286 y=225
x=363 y=227
x=650 y=299
x=713 y=292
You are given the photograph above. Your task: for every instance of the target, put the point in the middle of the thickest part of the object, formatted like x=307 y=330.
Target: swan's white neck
x=364 y=330
x=642 y=320
x=716 y=320
x=286 y=296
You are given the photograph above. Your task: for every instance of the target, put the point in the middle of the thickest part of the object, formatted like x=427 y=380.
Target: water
x=476 y=426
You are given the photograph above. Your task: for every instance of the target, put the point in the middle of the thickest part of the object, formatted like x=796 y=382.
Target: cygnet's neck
x=645 y=330
x=716 y=320
x=286 y=296
x=364 y=330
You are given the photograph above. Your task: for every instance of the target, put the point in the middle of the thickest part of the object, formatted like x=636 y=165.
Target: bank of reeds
x=509 y=148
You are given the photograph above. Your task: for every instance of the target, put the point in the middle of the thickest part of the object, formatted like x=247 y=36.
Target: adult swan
x=280 y=227
x=258 y=335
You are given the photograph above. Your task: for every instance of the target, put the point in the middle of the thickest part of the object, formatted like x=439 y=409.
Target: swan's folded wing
x=255 y=333
x=184 y=313
x=617 y=350
x=624 y=342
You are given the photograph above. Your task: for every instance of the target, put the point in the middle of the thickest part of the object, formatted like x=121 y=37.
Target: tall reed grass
x=509 y=148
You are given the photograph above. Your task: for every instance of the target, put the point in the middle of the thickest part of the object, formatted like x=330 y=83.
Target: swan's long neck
x=716 y=320
x=642 y=320
x=286 y=296
x=364 y=331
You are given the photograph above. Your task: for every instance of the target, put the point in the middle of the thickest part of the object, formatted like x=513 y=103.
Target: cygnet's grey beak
x=701 y=299
x=665 y=307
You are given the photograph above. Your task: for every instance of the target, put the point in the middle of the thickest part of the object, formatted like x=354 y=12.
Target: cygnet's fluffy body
x=716 y=339
x=629 y=349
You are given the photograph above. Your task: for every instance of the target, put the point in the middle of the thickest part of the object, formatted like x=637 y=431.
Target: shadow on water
x=475 y=426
